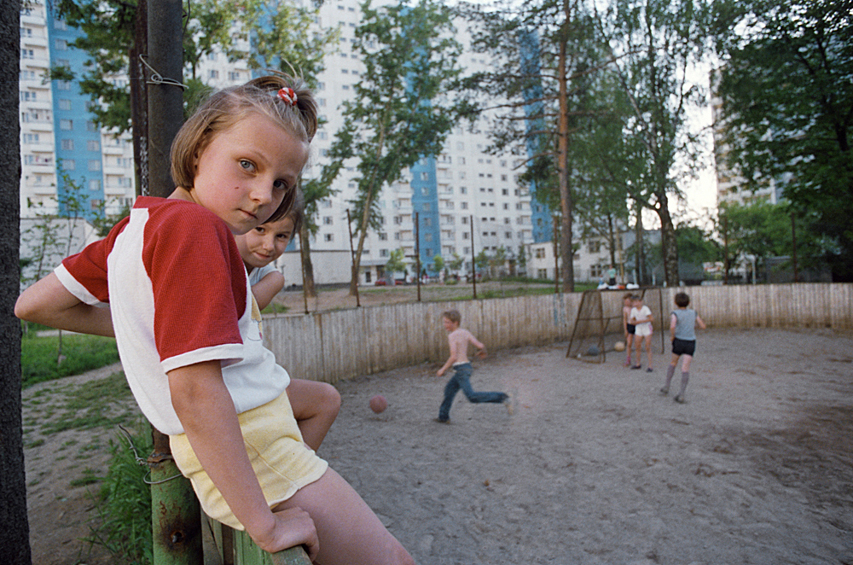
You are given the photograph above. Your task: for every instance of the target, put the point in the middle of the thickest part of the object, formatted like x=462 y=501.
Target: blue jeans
x=462 y=379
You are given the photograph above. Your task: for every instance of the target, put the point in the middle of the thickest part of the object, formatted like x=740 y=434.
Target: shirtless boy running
x=458 y=339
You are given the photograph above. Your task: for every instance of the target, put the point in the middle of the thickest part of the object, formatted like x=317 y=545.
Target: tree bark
x=15 y=533
x=566 y=204
x=308 y=286
x=139 y=98
x=669 y=247
x=365 y=215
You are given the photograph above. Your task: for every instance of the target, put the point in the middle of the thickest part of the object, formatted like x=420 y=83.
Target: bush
x=81 y=353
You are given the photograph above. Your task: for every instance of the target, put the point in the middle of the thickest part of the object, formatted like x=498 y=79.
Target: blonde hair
x=228 y=106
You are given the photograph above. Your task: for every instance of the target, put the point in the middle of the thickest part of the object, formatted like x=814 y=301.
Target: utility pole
x=473 y=259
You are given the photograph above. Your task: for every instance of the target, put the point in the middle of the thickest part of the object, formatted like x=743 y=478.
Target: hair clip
x=288 y=96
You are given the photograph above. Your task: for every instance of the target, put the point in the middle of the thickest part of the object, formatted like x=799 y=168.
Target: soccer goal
x=598 y=326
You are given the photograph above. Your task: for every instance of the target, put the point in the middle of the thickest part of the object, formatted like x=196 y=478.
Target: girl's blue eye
x=246 y=164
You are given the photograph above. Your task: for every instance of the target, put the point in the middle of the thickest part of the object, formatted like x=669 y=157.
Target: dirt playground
x=594 y=467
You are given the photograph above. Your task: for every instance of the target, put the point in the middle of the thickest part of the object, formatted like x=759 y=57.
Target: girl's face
x=264 y=244
x=244 y=172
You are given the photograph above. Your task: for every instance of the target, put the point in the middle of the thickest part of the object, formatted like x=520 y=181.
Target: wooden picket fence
x=341 y=344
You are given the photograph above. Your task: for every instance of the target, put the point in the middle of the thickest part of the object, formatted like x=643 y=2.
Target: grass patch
x=92 y=405
x=125 y=501
x=82 y=353
x=89 y=478
x=275 y=308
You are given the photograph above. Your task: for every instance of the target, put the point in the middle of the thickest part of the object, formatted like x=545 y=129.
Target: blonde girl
x=187 y=327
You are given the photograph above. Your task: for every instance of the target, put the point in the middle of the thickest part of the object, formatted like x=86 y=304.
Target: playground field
x=594 y=467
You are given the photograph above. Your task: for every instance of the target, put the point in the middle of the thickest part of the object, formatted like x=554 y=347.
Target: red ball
x=378 y=403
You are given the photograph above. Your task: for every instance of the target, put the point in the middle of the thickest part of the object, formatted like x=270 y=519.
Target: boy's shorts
x=643 y=329
x=631 y=328
x=282 y=462
x=683 y=346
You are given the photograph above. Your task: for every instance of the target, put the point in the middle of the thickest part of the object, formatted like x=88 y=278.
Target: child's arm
x=672 y=322
x=206 y=411
x=266 y=288
x=48 y=302
x=480 y=347
x=699 y=322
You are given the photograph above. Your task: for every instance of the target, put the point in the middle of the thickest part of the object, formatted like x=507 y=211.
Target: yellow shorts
x=282 y=462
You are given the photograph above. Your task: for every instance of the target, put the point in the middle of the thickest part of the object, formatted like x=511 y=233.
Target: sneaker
x=664 y=391
x=445 y=421
x=650 y=370
x=679 y=399
x=636 y=366
x=510 y=409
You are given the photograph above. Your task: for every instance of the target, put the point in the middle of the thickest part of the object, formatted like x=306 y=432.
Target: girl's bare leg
x=315 y=407
x=349 y=531
x=648 y=341
x=638 y=341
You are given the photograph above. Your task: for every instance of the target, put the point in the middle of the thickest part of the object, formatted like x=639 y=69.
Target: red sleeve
x=198 y=281
x=89 y=267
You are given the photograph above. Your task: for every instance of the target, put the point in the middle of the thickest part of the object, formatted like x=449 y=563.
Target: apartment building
x=464 y=199
x=59 y=140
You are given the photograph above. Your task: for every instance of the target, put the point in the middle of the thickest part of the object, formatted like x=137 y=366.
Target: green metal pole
x=175 y=512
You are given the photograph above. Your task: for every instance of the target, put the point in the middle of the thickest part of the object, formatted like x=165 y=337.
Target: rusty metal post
x=175 y=512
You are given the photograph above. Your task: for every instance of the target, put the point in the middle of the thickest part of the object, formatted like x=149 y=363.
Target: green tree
x=398 y=113
x=284 y=37
x=481 y=261
x=695 y=245
x=456 y=263
x=546 y=55
x=654 y=44
x=787 y=91
x=522 y=258
x=760 y=230
x=497 y=260
x=396 y=262
x=438 y=263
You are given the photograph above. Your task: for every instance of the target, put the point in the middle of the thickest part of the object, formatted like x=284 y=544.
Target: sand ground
x=594 y=467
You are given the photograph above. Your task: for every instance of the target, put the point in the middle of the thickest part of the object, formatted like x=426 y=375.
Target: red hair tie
x=288 y=96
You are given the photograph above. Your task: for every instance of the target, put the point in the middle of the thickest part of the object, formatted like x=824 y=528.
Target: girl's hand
x=292 y=527
x=482 y=353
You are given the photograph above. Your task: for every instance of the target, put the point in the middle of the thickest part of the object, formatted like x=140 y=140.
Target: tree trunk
x=566 y=205
x=139 y=98
x=642 y=275
x=669 y=246
x=15 y=534
x=307 y=266
x=365 y=215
